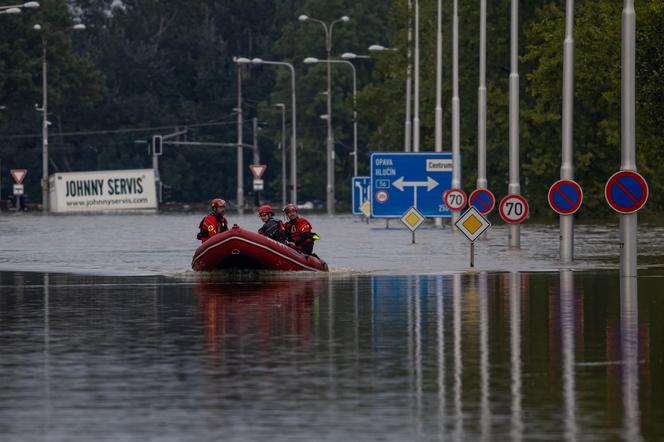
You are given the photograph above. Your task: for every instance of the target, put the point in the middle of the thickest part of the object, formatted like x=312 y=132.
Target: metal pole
x=514 y=186
x=45 y=193
x=481 y=104
x=330 y=136
x=354 y=119
x=439 y=90
x=240 y=153
x=257 y=159
x=293 y=138
x=628 y=223
x=283 y=155
x=472 y=254
x=567 y=166
x=408 y=129
x=416 y=105
x=456 y=149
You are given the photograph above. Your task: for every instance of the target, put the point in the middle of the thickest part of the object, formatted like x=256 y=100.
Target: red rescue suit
x=299 y=232
x=210 y=226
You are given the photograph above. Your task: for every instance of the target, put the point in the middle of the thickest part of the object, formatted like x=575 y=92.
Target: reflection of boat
x=241 y=249
x=262 y=311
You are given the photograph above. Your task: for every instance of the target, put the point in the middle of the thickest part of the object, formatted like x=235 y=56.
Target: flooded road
x=509 y=356
x=101 y=339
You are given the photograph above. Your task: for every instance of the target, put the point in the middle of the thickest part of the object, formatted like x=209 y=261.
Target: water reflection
x=629 y=348
x=476 y=356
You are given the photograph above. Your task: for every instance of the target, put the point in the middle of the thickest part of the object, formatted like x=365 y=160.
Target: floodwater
x=105 y=334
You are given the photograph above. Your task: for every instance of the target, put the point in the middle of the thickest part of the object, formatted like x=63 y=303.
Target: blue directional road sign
x=361 y=191
x=400 y=181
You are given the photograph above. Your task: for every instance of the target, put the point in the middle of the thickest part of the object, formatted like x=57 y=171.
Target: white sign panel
x=18 y=189
x=108 y=190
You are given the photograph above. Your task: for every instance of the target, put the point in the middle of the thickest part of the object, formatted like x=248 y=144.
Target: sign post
x=412 y=219
x=361 y=195
x=565 y=197
x=626 y=192
x=18 y=175
x=513 y=209
x=401 y=180
x=472 y=224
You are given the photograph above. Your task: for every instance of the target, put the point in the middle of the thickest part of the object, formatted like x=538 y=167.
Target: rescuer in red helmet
x=272 y=228
x=299 y=231
x=214 y=222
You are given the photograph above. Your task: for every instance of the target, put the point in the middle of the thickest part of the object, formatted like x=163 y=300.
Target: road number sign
x=455 y=199
x=483 y=200
x=258 y=170
x=565 y=197
x=18 y=175
x=626 y=191
x=513 y=209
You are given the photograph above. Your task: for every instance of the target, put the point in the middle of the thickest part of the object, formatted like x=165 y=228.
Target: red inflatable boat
x=241 y=249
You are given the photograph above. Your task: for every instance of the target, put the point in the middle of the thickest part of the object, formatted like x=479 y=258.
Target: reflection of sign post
x=472 y=224
x=565 y=197
x=513 y=209
x=483 y=200
x=626 y=191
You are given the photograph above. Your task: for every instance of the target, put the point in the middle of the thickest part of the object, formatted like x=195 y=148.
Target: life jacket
x=299 y=231
x=211 y=225
x=274 y=229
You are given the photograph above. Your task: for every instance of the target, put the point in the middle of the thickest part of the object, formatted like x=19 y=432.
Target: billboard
x=108 y=190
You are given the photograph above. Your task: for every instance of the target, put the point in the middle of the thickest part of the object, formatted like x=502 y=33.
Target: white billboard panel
x=107 y=190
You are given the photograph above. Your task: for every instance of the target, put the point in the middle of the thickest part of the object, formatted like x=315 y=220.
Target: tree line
x=147 y=67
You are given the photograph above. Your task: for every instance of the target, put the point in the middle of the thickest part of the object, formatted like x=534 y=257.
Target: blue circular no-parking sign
x=483 y=200
x=626 y=191
x=565 y=197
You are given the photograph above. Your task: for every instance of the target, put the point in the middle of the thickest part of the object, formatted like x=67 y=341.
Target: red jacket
x=299 y=231
x=210 y=226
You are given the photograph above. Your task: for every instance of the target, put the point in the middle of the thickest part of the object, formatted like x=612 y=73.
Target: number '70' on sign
x=513 y=209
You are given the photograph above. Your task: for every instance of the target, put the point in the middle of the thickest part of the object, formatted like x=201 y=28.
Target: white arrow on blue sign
x=361 y=191
x=401 y=180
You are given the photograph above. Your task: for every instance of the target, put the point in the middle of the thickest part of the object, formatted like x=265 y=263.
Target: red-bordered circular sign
x=382 y=196
x=455 y=199
x=483 y=200
x=513 y=209
x=565 y=197
x=626 y=191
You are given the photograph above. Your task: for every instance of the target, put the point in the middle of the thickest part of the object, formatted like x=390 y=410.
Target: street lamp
x=312 y=60
x=282 y=106
x=243 y=60
x=44 y=109
x=408 y=131
x=352 y=56
x=328 y=28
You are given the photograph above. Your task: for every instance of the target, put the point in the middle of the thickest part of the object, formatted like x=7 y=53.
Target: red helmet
x=265 y=209
x=290 y=208
x=217 y=202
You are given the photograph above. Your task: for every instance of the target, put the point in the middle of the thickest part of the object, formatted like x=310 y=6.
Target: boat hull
x=242 y=249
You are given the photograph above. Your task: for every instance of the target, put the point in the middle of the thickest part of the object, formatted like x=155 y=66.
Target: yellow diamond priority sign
x=412 y=219
x=366 y=209
x=472 y=224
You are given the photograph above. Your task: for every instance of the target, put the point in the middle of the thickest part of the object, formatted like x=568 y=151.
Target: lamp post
x=514 y=186
x=567 y=160
x=328 y=28
x=456 y=117
x=293 y=117
x=44 y=110
x=416 y=83
x=282 y=106
x=312 y=60
x=16 y=9
x=240 y=154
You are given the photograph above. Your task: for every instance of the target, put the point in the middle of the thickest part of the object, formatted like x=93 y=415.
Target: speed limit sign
x=513 y=209
x=455 y=199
